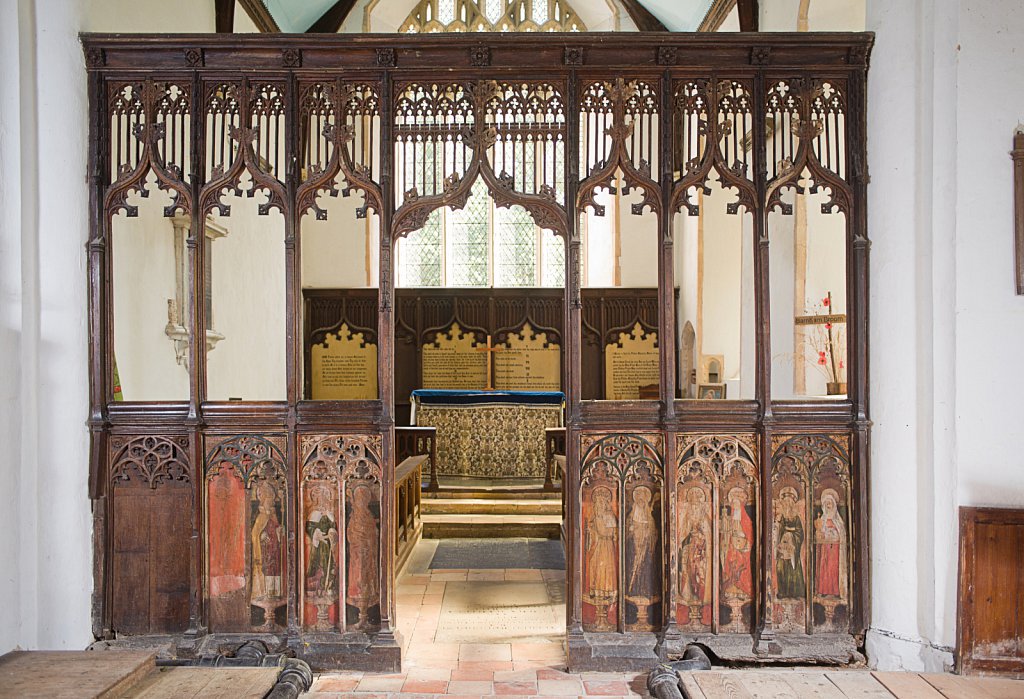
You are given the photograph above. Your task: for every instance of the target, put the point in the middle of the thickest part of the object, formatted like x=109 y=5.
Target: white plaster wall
x=335 y=252
x=12 y=618
x=249 y=299
x=638 y=256
x=989 y=317
x=144 y=278
x=45 y=544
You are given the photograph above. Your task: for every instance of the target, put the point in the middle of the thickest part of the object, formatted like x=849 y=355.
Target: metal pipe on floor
x=663 y=681
x=295 y=677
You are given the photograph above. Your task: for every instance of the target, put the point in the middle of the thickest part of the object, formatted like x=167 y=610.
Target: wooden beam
x=225 y=16
x=748 y=15
x=642 y=17
x=260 y=16
x=332 y=20
x=716 y=15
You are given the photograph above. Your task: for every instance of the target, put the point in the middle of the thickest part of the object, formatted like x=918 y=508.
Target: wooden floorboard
x=858 y=685
x=208 y=683
x=907 y=685
x=842 y=684
x=72 y=674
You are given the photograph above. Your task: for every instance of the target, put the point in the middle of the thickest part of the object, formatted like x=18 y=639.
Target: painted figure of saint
x=695 y=534
x=267 y=544
x=738 y=538
x=789 y=542
x=829 y=537
x=322 y=530
x=363 y=536
x=600 y=548
x=642 y=531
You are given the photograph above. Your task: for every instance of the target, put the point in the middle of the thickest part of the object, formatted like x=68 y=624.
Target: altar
x=489 y=434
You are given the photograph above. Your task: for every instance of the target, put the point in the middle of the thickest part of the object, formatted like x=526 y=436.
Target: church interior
x=552 y=347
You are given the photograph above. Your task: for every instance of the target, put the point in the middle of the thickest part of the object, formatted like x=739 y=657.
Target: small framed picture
x=711 y=391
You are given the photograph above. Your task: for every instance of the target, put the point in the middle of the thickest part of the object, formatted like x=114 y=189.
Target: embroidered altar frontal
x=489 y=434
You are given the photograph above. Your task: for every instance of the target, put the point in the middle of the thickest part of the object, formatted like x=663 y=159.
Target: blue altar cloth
x=425 y=396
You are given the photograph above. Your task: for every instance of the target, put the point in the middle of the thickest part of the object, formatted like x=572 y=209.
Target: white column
x=911 y=200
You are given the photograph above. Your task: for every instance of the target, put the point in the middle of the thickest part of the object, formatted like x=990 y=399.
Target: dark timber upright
x=643 y=89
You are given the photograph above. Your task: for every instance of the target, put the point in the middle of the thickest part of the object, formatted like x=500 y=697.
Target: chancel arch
x=643 y=234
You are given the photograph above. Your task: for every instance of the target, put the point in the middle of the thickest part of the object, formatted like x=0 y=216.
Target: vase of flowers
x=829 y=348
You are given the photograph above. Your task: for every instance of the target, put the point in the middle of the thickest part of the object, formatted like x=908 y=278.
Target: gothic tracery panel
x=341 y=515
x=151 y=520
x=621 y=505
x=717 y=528
x=811 y=532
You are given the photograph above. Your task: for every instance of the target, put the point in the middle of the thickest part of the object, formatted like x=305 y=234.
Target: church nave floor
x=478 y=632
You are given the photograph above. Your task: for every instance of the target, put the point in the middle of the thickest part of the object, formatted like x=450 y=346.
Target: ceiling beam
x=748 y=15
x=642 y=17
x=225 y=16
x=716 y=15
x=260 y=16
x=332 y=20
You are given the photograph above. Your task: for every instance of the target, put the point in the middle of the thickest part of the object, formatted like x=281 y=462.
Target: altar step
x=488 y=526
x=435 y=504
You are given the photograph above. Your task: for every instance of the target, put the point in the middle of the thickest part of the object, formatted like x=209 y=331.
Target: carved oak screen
x=728 y=506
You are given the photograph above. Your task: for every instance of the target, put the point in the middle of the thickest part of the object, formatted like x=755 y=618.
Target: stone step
x=486 y=526
x=523 y=493
x=489 y=506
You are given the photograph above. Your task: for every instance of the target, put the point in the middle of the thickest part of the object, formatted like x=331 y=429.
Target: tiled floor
x=527 y=658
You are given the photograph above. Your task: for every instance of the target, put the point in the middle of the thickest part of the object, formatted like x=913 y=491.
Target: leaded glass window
x=481 y=245
x=492 y=16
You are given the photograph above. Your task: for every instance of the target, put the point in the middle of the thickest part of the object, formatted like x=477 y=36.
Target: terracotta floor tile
x=426 y=673
x=516 y=688
x=478 y=687
x=516 y=676
x=335 y=684
x=464 y=674
x=376 y=683
x=606 y=688
x=425 y=686
x=560 y=687
x=485 y=651
x=492 y=665
x=549 y=673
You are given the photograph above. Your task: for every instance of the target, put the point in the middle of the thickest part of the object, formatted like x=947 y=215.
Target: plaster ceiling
x=679 y=15
x=296 y=16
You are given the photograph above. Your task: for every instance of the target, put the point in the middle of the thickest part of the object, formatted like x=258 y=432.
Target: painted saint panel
x=789 y=539
x=737 y=514
x=321 y=525
x=362 y=554
x=643 y=570
x=810 y=500
x=600 y=555
x=695 y=530
x=227 y=553
x=831 y=517
x=268 y=556
x=247 y=536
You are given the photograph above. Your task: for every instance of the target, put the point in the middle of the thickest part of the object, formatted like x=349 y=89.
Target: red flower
x=826 y=302
x=821 y=358
x=828 y=326
x=841 y=365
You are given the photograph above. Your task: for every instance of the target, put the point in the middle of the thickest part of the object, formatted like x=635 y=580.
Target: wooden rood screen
x=227 y=505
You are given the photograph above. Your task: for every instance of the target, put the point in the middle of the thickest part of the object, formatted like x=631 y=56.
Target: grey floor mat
x=538 y=554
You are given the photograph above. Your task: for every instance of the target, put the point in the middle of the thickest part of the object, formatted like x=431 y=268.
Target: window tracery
x=492 y=16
